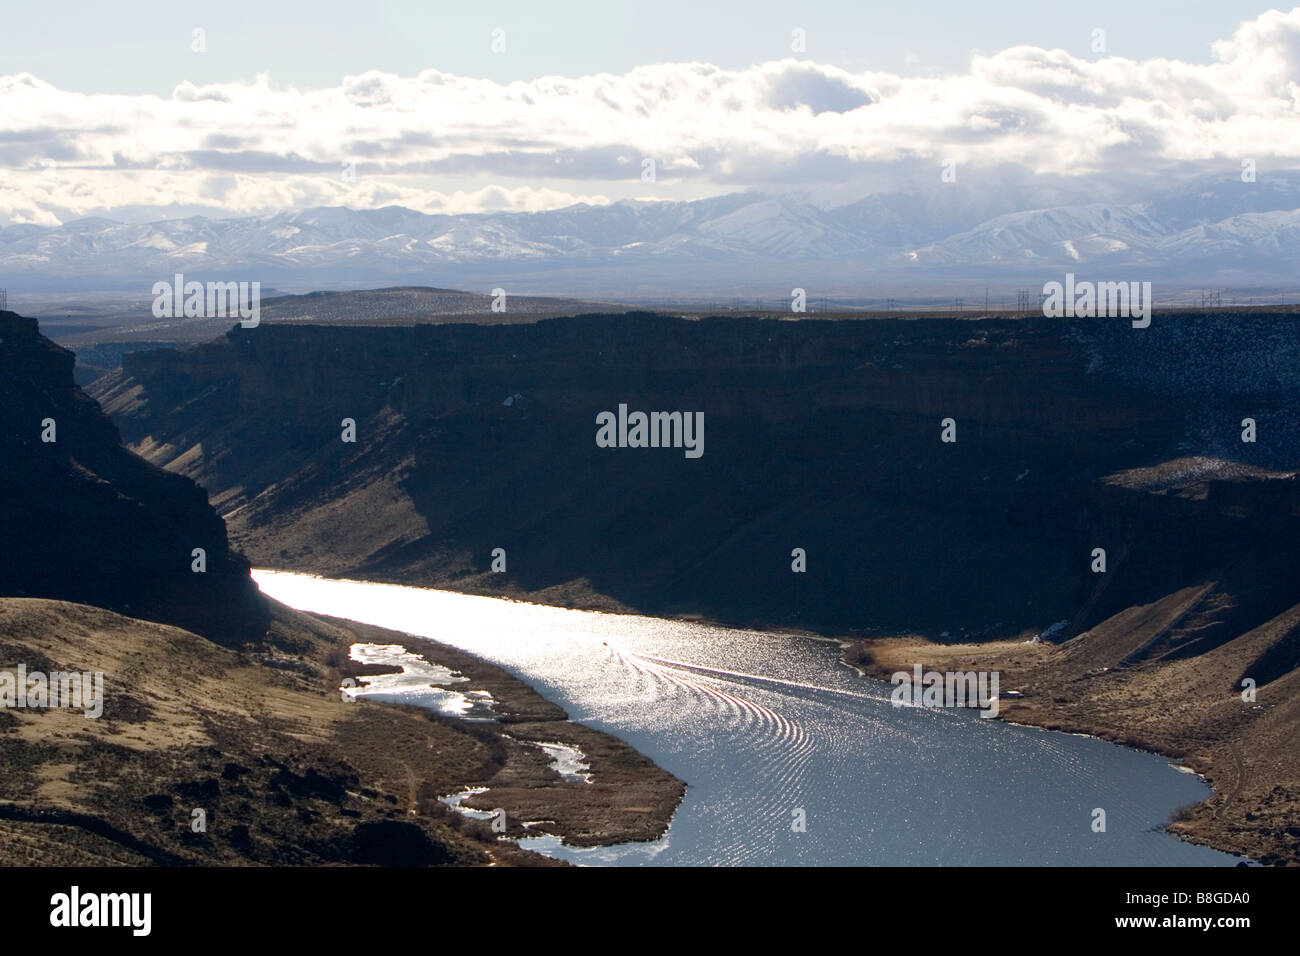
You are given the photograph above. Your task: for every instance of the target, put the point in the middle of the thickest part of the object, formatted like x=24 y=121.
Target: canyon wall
x=86 y=521
x=1071 y=435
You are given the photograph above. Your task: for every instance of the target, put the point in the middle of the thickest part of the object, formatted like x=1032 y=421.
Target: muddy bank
x=629 y=798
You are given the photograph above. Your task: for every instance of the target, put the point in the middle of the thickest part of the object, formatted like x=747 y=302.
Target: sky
x=157 y=109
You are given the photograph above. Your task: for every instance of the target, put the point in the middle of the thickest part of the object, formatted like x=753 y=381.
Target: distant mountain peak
x=1181 y=234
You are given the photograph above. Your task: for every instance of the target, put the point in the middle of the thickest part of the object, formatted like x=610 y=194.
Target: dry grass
x=286 y=771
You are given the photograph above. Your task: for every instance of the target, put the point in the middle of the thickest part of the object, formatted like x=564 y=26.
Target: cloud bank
x=443 y=143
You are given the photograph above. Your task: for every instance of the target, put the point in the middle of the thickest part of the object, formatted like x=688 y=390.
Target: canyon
x=826 y=436
x=210 y=697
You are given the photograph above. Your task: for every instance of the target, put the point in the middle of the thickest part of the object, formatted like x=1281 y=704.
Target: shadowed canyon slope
x=86 y=521
x=818 y=435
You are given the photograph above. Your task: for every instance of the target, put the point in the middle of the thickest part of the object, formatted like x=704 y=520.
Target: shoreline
x=1203 y=823
x=214 y=756
x=1234 y=818
x=629 y=798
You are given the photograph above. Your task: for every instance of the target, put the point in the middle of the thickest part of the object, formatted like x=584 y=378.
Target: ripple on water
x=767 y=729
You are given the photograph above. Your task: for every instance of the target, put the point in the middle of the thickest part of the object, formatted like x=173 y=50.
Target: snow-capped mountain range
x=1219 y=229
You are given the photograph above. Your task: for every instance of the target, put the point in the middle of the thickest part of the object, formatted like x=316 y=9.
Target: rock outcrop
x=86 y=521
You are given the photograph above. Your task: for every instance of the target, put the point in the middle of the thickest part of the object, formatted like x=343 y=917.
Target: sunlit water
x=762 y=725
x=419 y=683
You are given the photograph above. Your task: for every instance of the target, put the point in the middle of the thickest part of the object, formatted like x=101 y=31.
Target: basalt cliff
x=86 y=521
x=825 y=436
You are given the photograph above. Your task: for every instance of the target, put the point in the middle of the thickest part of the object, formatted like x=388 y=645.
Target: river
x=771 y=730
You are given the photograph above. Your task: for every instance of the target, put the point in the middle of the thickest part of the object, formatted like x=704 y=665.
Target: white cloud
x=64 y=195
x=439 y=142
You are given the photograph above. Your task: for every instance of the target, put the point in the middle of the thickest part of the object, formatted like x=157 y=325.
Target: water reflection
x=768 y=728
